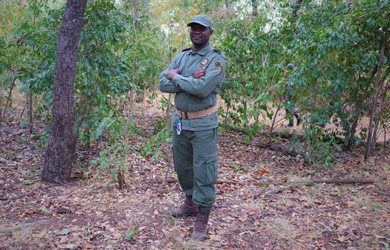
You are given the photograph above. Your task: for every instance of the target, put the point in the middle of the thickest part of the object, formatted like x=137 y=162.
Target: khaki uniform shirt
x=195 y=94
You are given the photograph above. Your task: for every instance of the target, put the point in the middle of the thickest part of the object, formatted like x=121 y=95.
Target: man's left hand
x=172 y=73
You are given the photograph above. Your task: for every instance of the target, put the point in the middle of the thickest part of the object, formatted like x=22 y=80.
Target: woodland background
x=119 y=186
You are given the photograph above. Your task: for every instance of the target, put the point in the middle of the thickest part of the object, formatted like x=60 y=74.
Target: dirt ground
x=265 y=200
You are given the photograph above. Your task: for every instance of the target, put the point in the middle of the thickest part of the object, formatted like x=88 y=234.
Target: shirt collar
x=203 y=51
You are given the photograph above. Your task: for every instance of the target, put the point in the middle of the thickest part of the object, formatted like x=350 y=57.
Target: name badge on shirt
x=204 y=61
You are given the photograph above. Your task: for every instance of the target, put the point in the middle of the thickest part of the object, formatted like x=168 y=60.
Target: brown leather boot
x=188 y=208
x=200 y=227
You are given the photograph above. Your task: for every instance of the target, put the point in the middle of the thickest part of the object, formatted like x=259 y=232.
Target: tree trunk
x=375 y=133
x=298 y=4
x=357 y=113
x=61 y=146
x=30 y=111
x=132 y=92
x=9 y=99
x=254 y=7
x=374 y=102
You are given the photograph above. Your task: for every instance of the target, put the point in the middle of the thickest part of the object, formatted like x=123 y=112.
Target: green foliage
x=112 y=158
x=131 y=233
x=159 y=143
x=253 y=86
x=319 y=147
x=334 y=45
x=107 y=50
x=113 y=37
x=24 y=53
x=335 y=48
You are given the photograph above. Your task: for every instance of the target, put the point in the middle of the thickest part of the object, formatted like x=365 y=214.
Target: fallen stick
x=217 y=182
x=15 y=198
x=308 y=182
x=346 y=181
x=32 y=224
x=284 y=150
x=294 y=185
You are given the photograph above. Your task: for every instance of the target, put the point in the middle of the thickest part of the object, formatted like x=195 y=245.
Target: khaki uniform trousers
x=195 y=159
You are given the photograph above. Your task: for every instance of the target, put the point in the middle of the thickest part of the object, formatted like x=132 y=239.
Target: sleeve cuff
x=175 y=81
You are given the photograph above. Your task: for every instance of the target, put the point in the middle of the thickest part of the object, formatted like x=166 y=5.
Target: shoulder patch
x=218 y=65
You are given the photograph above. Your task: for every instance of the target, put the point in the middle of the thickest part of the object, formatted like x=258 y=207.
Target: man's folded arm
x=166 y=85
x=204 y=86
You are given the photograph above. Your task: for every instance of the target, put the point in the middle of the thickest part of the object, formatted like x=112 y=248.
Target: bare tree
x=254 y=7
x=61 y=146
x=297 y=7
x=374 y=100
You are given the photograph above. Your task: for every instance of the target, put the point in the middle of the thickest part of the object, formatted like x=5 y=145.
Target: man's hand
x=200 y=73
x=172 y=73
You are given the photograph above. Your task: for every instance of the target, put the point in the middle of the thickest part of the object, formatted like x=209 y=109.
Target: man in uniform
x=195 y=75
x=290 y=109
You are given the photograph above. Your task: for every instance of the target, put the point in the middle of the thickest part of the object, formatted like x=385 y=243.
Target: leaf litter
x=286 y=212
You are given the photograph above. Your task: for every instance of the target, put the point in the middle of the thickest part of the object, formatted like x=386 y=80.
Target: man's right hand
x=172 y=73
x=200 y=73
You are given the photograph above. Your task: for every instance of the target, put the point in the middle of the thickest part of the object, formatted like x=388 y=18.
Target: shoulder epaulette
x=218 y=51
x=186 y=49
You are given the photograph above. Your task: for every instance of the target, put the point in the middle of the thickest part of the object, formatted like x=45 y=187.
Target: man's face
x=200 y=35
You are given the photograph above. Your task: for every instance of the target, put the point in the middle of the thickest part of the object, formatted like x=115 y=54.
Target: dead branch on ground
x=32 y=224
x=8 y=200
x=291 y=185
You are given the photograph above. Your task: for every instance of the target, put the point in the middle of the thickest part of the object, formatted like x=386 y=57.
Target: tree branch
x=293 y=184
x=32 y=224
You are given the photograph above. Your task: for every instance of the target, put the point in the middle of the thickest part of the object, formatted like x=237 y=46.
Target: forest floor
x=265 y=199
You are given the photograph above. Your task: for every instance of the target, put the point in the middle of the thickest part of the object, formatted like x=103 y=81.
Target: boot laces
x=201 y=222
x=187 y=203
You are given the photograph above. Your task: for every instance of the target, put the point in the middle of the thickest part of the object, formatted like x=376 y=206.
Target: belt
x=197 y=114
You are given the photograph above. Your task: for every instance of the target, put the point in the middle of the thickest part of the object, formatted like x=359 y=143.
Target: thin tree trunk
x=352 y=132
x=1 y=104
x=384 y=139
x=9 y=98
x=132 y=92
x=254 y=8
x=298 y=4
x=375 y=99
x=360 y=108
x=276 y=114
x=30 y=111
x=30 y=97
x=374 y=135
x=61 y=146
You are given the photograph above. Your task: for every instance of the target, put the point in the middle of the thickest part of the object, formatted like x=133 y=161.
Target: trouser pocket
x=209 y=170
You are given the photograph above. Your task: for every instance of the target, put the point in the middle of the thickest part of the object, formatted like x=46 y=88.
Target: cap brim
x=191 y=23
